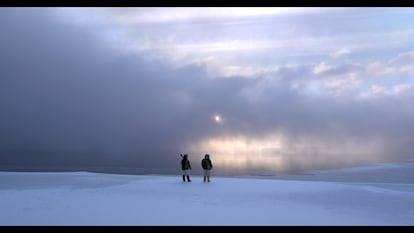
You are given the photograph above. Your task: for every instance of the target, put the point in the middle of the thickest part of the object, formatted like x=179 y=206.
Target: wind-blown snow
x=84 y=198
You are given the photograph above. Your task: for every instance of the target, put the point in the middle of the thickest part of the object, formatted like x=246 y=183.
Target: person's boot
x=183 y=178
x=204 y=179
x=188 y=179
x=208 y=178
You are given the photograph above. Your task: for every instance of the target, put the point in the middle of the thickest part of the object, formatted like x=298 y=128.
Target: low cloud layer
x=68 y=98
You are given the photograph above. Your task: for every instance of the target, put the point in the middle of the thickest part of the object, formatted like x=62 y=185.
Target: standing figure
x=185 y=167
x=207 y=166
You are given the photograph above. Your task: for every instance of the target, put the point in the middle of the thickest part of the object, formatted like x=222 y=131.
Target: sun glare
x=217 y=118
x=241 y=152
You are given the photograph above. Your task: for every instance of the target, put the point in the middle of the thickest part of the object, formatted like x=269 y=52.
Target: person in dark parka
x=207 y=166
x=186 y=167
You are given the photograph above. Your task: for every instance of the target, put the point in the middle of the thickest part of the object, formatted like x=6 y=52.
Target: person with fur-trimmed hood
x=207 y=166
x=185 y=167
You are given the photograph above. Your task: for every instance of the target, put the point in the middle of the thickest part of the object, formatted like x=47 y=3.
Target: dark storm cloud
x=64 y=103
x=66 y=100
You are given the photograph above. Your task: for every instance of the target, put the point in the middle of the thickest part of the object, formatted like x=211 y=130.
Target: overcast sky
x=263 y=89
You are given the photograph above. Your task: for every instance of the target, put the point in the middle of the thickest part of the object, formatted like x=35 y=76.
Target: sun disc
x=217 y=118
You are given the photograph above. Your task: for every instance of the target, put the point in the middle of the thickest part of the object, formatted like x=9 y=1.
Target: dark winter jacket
x=206 y=164
x=185 y=164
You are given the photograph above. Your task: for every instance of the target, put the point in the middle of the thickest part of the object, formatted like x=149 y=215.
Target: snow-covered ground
x=379 y=194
